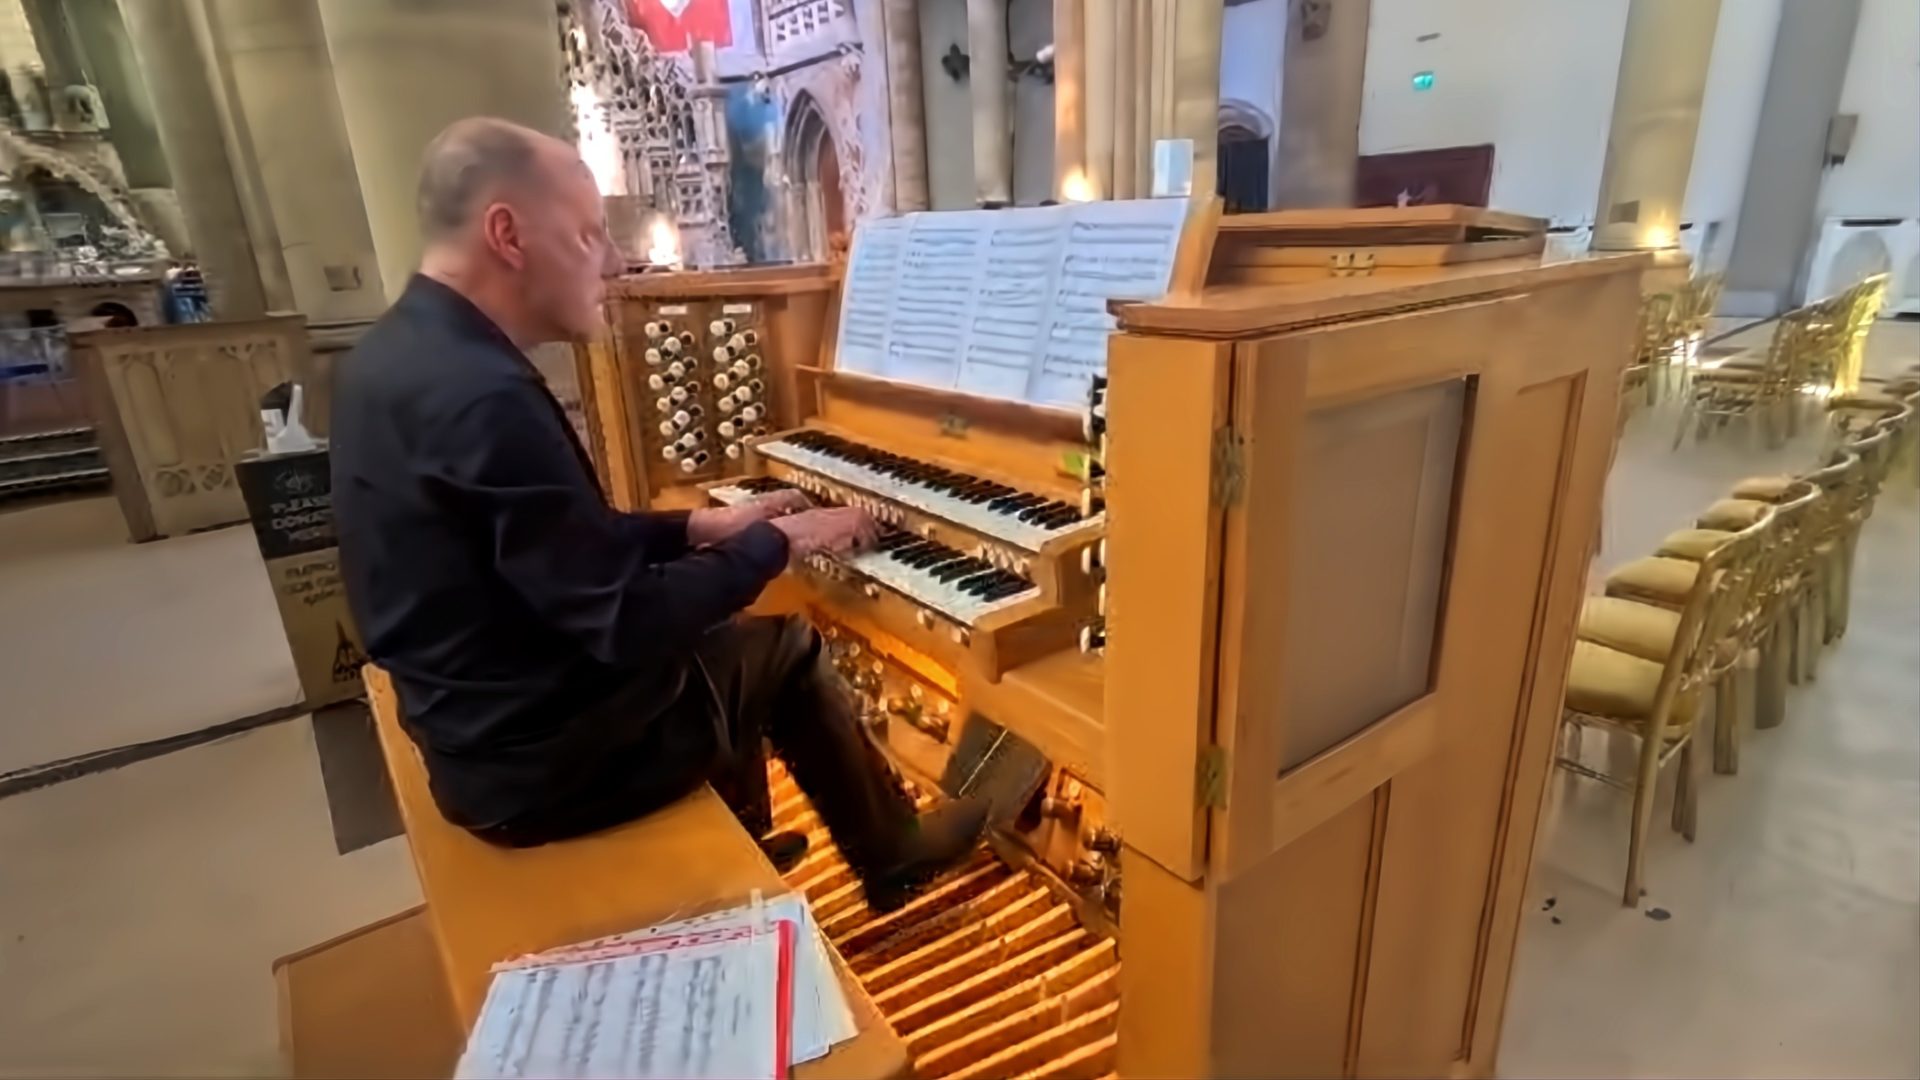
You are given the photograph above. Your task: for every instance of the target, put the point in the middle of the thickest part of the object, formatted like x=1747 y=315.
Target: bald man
x=564 y=666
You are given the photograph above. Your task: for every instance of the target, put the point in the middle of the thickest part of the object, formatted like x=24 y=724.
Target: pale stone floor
x=141 y=909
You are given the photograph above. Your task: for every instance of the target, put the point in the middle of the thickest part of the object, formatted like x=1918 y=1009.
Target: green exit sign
x=1423 y=80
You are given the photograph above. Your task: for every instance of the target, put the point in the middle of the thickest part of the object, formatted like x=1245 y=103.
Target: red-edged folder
x=783 y=1003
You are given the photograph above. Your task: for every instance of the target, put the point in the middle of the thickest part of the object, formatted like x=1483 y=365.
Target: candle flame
x=1075 y=187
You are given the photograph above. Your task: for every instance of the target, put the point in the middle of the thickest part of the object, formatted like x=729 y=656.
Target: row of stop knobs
x=1093 y=557
x=676 y=370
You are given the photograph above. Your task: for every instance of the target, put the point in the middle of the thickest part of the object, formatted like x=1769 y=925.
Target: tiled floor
x=141 y=909
x=106 y=643
x=1793 y=943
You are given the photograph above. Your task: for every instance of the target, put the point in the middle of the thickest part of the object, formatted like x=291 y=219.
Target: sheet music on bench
x=1002 y=303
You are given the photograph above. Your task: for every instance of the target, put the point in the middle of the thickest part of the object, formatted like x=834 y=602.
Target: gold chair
x=1726 y=388
x=1662 y=316
x=1864 y=302
x=1774 y=632
x=1623 y=618
x=1704 y=299
x=1658 y=701
x=1875 y=453
x=1841 y=483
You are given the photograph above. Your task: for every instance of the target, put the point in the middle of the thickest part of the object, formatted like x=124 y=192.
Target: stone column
x=1656 y=115
x=284 y=98
x=1193 y=85
x=1125 y=71
x=60 y=54
x=1322 y=77
x=1098 y=107
x=987 y=83
x=1069 y=97
x=175 y=73
x=405 y=69
x=906 y=108
x=102 y=34
x=263 y=234
x=1146 y=50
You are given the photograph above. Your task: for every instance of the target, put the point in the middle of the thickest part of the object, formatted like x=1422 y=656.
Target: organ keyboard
x=1194 y=666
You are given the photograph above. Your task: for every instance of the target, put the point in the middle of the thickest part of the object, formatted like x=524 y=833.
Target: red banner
x=672 y=26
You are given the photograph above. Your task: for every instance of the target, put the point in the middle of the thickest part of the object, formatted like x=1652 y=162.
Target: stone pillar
x=1125 y=154
x=1193 y=85
x=1097 y=107
x=987 y=83
x=276 y=55
x=1146 y=50
x=405 y=69
x=1322 y=77
x=134 y=132
x=906 y=108
x=261 y=230
x=59 y=48
x=1656 y=115
x=1069 y=97
x=175 y=73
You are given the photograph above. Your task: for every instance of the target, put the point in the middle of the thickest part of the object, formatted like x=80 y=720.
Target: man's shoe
x=784 y=849
x=934 y=842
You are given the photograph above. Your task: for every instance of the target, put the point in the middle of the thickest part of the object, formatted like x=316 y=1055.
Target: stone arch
x=816 y=172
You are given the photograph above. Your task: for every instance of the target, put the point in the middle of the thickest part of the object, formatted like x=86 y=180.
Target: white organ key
x=977 y=516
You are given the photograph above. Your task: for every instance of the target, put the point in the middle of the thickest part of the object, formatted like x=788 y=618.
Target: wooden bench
x=488 y=903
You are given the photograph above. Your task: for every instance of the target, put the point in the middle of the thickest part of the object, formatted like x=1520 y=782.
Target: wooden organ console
x=1259 y=653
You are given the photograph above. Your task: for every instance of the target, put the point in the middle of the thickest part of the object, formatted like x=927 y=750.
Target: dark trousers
x=759 y=679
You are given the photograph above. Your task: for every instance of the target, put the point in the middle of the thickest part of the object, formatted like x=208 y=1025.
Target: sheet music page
x=821 y=1017
x=1021 y=256
x=873 y=269
x=1002 y=303
x=1113 y=251
x=933 y=298
x=708 y=1009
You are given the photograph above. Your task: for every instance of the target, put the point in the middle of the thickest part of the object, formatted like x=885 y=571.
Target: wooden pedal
x=1089 y=964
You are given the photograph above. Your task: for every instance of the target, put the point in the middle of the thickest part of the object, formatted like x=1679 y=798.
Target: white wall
x=1881 y=176
x=1533 y=77
x=1729 y=117
x=1253 y=39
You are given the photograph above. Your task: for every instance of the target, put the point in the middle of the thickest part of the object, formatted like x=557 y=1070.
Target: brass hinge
x=1229 y=466
x=1352 y=264
x=1211 y=788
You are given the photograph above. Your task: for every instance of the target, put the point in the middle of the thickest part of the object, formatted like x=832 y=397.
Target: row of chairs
x=1816 y=352
x=1758 y=586
x=1670 y=324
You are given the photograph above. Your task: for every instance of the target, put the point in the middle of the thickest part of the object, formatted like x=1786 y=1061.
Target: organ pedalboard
x=1009 y=964
x=707 y=384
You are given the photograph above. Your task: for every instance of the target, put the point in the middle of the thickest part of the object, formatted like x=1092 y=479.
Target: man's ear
x=500 y=228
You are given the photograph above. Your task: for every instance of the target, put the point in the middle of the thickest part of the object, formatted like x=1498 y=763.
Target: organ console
x=1258 y=653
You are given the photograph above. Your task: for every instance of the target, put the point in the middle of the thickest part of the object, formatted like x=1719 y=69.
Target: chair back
x=1713 y=608
x=1840 y=482
x=1659 y=313
x=1787 y=551
x=1705 y=291
x=1875 y=451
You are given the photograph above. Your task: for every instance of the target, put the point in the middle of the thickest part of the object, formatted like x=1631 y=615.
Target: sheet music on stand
x=1002 y=303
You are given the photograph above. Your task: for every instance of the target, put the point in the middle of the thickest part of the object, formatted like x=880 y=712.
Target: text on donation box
x=290 y=502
